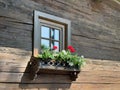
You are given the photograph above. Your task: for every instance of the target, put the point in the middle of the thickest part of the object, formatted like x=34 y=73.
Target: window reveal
x=50 y=31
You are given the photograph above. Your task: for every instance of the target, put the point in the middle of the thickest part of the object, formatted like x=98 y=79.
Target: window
x=50 y=31
x=51 y=34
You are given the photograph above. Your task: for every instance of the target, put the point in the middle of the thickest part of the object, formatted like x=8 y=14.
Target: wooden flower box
x=37 y=66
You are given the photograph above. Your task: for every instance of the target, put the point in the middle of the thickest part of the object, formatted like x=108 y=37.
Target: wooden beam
x=74 y=86
x=100 y=77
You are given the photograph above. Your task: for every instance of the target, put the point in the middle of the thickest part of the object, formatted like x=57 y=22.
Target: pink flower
x=71 y=49
x=55 y=47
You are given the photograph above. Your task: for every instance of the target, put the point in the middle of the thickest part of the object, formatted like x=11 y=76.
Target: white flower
x=64 y=52
x=71 y=63
x=55 y=54
x=82 y=56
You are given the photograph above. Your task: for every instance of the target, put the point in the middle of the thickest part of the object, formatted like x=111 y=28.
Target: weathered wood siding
x=95 y=26
x=95 y=34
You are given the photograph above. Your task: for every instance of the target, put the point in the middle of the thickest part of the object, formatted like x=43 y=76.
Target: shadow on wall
x=45 y=81
x=46 y=86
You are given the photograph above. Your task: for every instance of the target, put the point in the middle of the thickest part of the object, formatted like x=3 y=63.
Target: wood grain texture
x=95 y=26
x=73 y=86
x=96 y=75
x=95 y=34
x=100 y=77
x=15 y=63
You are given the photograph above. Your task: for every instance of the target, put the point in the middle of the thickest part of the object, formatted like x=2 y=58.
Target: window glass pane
x=45 y=42
x=53 y=43
x=55 y=34
x=45 y=32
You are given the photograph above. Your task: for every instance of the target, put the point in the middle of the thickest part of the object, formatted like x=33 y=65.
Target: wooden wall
x=96 y=75
x=95 y=34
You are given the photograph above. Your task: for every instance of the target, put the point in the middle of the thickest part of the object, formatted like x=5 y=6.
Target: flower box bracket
x=37 y=66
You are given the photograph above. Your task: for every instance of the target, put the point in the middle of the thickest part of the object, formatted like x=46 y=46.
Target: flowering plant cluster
x=65 y=58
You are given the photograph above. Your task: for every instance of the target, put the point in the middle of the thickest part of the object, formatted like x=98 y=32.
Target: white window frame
x=40 y=17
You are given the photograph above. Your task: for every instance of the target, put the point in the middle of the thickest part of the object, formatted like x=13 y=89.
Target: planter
x=38 y=65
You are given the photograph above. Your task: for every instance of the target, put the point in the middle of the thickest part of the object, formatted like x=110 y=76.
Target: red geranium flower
x=55 y=47
x=71 y=49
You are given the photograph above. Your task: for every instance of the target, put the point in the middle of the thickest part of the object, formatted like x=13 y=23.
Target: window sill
x=36 y=67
